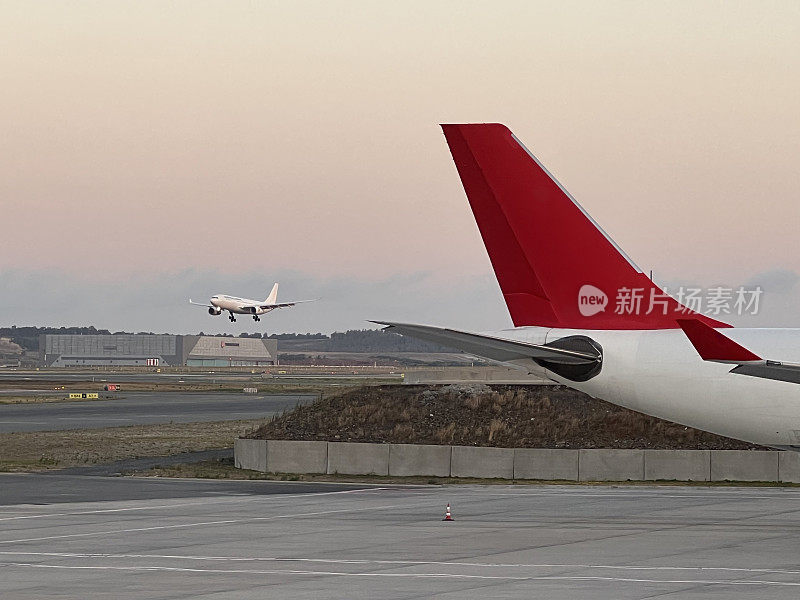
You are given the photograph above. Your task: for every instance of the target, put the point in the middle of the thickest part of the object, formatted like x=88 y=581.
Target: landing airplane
x=557 y=268
x=245 y=306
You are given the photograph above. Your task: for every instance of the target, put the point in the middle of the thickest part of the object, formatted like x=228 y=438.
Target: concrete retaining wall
x=516 y=463
x=546 y=463
x=608 y=464
x=415 y=459
x=358 y=459
x=297 y=457
x=472 y=461
x=677 y=465
x=789 y=467
x=744 y=465
x=250 y=454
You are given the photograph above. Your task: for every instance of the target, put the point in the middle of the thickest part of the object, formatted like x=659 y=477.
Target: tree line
x=352 y=340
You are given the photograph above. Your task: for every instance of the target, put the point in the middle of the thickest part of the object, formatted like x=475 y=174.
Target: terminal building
x=142 y=350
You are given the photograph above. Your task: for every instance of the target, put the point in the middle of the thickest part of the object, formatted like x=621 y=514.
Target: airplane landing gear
x=232 y=318
x=256 y=318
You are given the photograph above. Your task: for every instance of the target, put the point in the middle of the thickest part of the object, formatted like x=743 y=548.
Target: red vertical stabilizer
x=555 y=266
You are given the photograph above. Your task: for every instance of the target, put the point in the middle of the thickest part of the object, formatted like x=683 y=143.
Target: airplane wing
x=713 y=346
x=494 y=348
x=200 y=304
x=284 y=304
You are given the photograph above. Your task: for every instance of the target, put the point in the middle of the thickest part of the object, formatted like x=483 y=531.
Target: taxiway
x=222 y=539
x=145 y=408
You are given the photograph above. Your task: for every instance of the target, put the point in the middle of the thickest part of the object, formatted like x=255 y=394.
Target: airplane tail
x=556 y=267
x=273 y=295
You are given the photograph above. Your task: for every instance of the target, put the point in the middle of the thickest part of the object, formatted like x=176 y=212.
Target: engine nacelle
x=214 y=310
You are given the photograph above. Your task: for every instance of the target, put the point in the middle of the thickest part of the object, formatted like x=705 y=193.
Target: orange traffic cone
x=447 y=515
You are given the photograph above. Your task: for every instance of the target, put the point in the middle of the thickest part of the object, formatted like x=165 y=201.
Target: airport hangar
x=143 y=350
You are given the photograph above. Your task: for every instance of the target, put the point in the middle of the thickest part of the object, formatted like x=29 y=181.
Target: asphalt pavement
x=90 y=537
x=236 y=377
x=58 y=488
x=145 y=408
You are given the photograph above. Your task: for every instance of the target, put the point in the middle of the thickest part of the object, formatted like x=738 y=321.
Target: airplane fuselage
x=602 y=326
x=658 y=372
x=241 y=306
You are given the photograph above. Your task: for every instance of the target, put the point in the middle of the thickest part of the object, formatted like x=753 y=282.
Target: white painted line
x=204 y=523
x=87 y=418
x=249 y=497
x=356 y=561
x=723 y=582
x=637 y=494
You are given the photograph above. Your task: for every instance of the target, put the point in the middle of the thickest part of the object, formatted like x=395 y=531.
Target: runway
x=212 y=539
x=24 y=380
x=116 y=377
x=142 y=408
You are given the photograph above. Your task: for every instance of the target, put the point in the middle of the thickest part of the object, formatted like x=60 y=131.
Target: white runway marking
x=239 y=498
x=636 y=494
x=723 y=582
x=415 y=563
x=203 y=523
x=90 y=417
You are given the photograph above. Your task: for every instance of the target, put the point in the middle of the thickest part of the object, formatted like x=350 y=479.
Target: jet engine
x=214 y=310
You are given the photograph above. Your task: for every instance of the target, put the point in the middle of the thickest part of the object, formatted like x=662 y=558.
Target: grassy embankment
x=478 y=415
x=46 y=450
x=39 y=399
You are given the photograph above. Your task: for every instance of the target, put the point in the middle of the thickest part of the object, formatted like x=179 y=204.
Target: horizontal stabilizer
x=714 y=346
x=770 y=370
x=493 y=348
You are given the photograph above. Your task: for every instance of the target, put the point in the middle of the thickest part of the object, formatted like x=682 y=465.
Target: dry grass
x=24 y=399
x=43 y=450
x=505 y=416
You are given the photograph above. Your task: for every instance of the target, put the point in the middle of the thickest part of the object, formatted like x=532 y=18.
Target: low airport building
x=142 y=350
x=214 y=351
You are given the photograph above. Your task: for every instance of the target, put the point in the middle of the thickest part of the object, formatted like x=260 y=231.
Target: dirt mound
x=480 y=415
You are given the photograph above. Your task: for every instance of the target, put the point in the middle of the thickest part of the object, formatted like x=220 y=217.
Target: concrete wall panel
x=546 y=463
x=470 y=461
x=677 y=465
x=285 y=456
x=789 y=467
x=605 y=464
x=414 y=459
x=519 y=463
x=353 y=458
x=744 y=465
x=250 y=454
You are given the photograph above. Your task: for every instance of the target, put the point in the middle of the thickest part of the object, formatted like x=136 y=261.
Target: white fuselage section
x=659 y=373
x=241 y=306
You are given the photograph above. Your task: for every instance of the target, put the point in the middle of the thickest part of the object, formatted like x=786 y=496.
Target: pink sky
x=152 y=137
